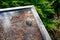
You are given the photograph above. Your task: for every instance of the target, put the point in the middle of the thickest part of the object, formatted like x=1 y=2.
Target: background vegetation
x=48 y=10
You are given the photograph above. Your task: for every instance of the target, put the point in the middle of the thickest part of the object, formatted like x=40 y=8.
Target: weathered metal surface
x=21 y=23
